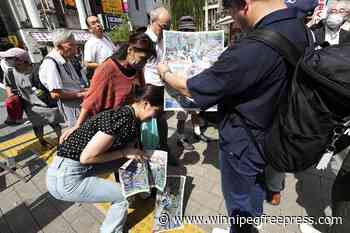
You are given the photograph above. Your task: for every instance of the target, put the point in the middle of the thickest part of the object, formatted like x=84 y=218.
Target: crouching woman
x=100 y=140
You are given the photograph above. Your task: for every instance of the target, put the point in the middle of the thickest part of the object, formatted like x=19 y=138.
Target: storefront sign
x=112 y=6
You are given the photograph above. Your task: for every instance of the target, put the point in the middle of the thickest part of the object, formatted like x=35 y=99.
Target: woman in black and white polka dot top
x=100 y=140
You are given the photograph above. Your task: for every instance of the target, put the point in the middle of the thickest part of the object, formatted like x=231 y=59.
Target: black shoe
x=172 y=160
x=13 y=122
x=185 y=143
x=46 y=144
x=202 y=138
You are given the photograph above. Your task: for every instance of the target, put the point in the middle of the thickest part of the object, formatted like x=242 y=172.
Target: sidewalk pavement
x=28 y=207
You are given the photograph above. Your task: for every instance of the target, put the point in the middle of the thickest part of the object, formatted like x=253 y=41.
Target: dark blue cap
x=304 y=7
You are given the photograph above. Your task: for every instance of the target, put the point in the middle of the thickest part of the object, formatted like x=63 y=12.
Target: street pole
x=33 y=13
x=15 y=13
x=82 y=13
x=206 y=13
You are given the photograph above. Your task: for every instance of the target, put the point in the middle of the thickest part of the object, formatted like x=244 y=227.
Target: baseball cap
x=15 y=53
x=304 y=7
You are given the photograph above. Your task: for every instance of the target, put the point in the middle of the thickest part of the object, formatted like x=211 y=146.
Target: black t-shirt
x=120 y=123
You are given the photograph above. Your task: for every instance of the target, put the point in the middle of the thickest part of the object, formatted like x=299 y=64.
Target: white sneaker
x=306 y=228
x=219 y=230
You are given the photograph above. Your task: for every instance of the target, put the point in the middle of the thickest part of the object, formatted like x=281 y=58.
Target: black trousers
x=341 y=191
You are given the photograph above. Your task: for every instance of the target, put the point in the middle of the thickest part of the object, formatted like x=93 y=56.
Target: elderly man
x=247 y=77
x=58 y=75
x=159 y=21
x=99 y=46
x=329 y=30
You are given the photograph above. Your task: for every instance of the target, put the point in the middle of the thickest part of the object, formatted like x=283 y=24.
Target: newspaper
x=168 y=211
x=189 y=53
x=137 y=177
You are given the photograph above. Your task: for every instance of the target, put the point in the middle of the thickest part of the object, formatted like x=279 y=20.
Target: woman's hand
x=133 y=153
x=67 y=133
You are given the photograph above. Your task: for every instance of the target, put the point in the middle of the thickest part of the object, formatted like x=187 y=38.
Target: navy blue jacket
x=251 y=77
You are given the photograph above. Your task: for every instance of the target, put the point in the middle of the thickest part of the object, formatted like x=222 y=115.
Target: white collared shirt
x=150 y=71
x=98 y=49
x=332 y=37
x=66 y=79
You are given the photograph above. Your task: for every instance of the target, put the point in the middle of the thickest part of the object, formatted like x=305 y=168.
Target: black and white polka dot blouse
x=120 y=123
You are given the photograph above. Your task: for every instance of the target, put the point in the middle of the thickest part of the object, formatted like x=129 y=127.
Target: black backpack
x=311 y=119
x=44 y=95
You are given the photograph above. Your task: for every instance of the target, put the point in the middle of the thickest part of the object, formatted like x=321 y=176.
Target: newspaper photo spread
x=137 y=177
x=169 y=205
x=189 y=53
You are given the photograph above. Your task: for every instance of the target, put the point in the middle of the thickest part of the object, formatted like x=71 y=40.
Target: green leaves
x=193 y=8
x=120 y=33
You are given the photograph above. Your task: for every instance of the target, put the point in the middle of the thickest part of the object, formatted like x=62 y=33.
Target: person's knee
x=122 y=204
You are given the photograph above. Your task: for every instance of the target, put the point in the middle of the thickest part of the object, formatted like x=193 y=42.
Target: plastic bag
x=149 y=135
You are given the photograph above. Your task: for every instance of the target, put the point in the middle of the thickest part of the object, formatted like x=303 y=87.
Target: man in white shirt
x=58 y=75
x=159 y=21
x=99 y=46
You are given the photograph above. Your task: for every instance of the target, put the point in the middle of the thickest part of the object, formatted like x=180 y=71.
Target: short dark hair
x=140 y=42
x=150 y=93
x=230 y=3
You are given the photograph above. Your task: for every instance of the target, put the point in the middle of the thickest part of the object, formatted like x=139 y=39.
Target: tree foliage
x=180 y=8
x=120 y=33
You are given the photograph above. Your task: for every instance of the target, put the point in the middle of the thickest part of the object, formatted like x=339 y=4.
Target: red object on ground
x=14 y=108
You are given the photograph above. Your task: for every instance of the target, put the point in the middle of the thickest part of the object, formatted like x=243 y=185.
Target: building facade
x=31 y=22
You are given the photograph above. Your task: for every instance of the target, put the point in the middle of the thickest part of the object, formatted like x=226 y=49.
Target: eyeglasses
x=339 y=11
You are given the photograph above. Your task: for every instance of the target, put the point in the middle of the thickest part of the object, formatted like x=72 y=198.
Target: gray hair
x=154 y=14
x=61 y=36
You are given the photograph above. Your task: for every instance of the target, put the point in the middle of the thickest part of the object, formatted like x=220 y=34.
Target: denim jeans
x=244 y=195
x=68 y=180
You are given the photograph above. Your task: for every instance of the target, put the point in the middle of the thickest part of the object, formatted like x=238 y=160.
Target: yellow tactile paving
x=140 y=219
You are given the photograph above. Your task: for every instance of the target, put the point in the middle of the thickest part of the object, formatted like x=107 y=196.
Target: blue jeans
x=244 y=195
x=68 y=180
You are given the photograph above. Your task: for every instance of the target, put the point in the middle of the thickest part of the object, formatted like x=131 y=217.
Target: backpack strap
x=56 y=63
x=11 y=79
x=277 y=42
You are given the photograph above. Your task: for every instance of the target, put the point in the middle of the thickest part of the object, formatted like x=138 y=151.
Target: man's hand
x=162 y=69
x=136 y=154
x=174 y=80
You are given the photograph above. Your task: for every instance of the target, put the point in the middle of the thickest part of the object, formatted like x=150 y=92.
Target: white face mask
x=334 y=21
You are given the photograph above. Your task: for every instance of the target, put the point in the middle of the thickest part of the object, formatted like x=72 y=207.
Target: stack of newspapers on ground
x=139 y=177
